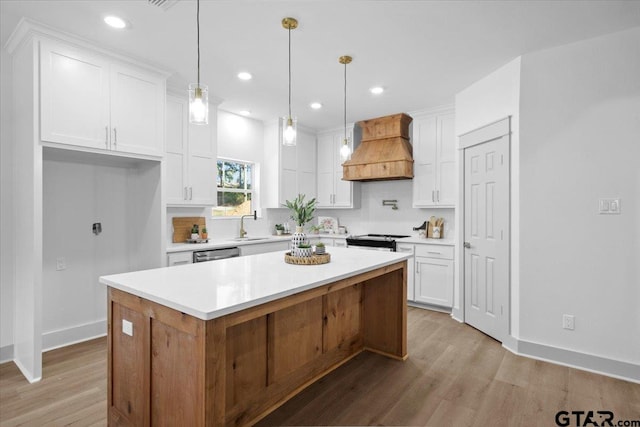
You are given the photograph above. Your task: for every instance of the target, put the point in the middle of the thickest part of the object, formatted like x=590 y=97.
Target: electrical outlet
x=609 y=206
x=127 y=327
x=568 y=322
x=61 y=263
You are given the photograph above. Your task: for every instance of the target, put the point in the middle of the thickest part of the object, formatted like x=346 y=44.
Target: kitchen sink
x=248 y=239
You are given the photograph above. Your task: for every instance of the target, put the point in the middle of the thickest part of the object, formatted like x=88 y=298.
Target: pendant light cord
x=345 y=101
x=198 y=31
x=289 y=71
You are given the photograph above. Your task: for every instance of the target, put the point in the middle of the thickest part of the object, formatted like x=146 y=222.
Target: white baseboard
x=6 y=353
x=64 y=337
x=26 y=372
x=587 y=362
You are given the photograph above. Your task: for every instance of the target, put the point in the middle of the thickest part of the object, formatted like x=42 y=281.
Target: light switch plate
x=609 y=206
x=127 y=327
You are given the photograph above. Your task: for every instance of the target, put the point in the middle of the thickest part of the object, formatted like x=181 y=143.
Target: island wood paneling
x=168 y=346
x=295 y=338
x=343 y=318
x=236 y=369
x=129 y=401
x=246 y=367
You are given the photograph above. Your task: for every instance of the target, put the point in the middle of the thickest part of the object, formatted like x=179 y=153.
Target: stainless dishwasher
x=215 y=254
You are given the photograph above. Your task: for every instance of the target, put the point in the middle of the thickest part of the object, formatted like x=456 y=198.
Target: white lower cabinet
x=179 y=258
x=434 y=275
x=408 y=248
x=261 y=248
x=430 y=273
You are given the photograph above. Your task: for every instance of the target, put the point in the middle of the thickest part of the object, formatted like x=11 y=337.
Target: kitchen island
x=227 y=342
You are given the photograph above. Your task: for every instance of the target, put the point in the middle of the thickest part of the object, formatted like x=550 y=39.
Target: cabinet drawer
x=405 y=247
x=435 y=251
x=177 y=258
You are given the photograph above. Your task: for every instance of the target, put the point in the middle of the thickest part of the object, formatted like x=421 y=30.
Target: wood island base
x=176 y=369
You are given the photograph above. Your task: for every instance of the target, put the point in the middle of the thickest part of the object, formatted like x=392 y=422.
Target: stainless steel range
x=381 y=242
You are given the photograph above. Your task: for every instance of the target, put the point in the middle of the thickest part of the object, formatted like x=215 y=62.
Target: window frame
x=247 y=191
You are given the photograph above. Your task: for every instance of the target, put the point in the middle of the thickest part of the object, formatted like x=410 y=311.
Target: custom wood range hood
x=384 y=152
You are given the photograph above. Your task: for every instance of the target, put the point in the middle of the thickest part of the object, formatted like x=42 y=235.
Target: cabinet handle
x=417 y=268
x=433 y=252
x=190 y=193
x=432 y=197
x=437 y=195
x=106 y=137
x=115 y=136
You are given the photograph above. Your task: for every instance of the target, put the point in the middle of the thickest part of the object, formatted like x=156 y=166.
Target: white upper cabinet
x=88 y=100
x=333 y=192
x=434 y=155
x=190 y=156
x=291 y=170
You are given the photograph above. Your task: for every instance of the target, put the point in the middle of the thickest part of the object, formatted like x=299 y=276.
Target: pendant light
x=289 y=124
x=198 y=93
x=345 y=151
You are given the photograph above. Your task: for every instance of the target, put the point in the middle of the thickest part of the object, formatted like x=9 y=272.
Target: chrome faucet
x=242 y=232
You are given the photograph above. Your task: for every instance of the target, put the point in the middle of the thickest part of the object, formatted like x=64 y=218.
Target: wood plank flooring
x=455 y=376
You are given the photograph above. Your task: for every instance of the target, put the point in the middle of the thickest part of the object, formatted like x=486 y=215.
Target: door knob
x=467 y=245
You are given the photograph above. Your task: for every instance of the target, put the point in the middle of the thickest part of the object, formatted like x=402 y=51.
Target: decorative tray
x=197 y=240
x=307 y=260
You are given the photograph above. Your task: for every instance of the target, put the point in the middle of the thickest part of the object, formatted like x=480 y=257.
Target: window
x=235 y=188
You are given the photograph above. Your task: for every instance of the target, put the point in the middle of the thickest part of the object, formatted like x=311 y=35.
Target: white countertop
x=423 y=241
x=209 y=290
x=230 y=242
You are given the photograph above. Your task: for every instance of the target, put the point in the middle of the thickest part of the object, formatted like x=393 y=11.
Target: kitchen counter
x=230 y=242
x=226 y=342
x=423 y=241
x=212 y=289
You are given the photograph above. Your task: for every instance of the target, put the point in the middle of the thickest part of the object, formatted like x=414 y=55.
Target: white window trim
x=255 y=191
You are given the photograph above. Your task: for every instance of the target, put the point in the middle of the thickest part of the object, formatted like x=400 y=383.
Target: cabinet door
x=446 y=189
x=434 y=281
x=424 y=156
x=325 y=171
x=137 y=111
x=306 y=165
x=176 y=147
x=74 y=97
x=201 y=164
x=179 y=258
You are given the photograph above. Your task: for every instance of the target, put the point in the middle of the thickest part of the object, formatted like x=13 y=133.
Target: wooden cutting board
x=182 y=227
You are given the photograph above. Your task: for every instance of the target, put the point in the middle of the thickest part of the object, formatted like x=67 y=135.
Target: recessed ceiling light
x=245 y=76
x=115 y=22
x=316 y=105
x=376 y=90
x=245 y=113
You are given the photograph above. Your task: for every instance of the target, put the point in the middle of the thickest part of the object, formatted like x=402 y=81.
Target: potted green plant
x=301 y=213
x=303 y=250
x=279 y=229
x=315 y=229
x=205 y=233
x=195 y=233
x=320 y=248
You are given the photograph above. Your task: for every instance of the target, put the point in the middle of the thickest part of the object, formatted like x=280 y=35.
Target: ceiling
x=421 y=52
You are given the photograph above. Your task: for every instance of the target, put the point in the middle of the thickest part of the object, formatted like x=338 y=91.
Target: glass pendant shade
x=345 y=151
x=289 y=126
x=198 y=104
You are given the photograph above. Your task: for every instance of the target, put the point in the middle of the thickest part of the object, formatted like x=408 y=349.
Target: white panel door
x=74 y=106
x=486 y=231
x=137 y=116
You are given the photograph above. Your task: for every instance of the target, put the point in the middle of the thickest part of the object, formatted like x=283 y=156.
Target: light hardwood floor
x=455 y=376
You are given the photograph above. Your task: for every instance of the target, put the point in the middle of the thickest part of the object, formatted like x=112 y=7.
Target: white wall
x=6 y=211
x=493 y=98
x=580 y=141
